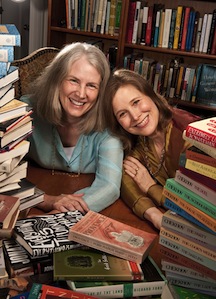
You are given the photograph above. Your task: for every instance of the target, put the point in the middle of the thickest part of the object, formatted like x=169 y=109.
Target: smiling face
x=79 y=90
x=135 y=112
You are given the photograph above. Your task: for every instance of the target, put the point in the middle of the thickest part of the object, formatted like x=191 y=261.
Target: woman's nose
x=81 y=90
x=135 y=114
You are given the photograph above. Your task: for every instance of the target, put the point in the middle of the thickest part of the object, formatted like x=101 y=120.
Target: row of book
x=175 y=79
x=110 y=262
x=188 y=233
x=100 y=16
x=181 y=28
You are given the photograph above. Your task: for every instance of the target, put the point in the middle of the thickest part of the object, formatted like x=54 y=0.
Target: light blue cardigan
x=102 y=154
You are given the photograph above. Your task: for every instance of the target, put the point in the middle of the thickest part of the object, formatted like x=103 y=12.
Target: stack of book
x=114 y=264
x=188 y=232
x=15 y=124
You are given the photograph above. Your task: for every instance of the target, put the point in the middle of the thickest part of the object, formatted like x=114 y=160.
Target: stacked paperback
x=188 y=232
x=94 y=254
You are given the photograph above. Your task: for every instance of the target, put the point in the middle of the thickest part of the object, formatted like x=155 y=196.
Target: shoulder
x=103 y=137
x=181 y=118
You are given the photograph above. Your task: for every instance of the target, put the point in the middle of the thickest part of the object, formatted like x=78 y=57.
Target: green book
x=190 y=197
x=90 y=264
x=153 y=284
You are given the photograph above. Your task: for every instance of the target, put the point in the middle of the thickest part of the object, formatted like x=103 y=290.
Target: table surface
x=58 y=184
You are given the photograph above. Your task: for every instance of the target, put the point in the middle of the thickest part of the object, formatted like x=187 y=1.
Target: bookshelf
x=59 y=34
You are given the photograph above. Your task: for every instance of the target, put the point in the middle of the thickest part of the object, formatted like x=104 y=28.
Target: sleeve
x=105 y=189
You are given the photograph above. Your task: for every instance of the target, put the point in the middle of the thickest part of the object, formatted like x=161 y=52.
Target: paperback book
x=8 y=205
x=103 y=233
x=94 y=265
x=9 y=35
x=45 y=234
x=153 y=284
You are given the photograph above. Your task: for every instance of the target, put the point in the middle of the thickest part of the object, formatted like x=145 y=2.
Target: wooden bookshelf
x=59 y=34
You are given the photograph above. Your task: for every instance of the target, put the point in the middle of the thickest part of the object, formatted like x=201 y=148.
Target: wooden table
x=58 y=184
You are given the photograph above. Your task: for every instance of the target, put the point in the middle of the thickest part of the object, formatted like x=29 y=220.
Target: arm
x=105 y=189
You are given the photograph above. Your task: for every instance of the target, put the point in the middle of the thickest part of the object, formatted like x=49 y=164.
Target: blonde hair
x=46 y=87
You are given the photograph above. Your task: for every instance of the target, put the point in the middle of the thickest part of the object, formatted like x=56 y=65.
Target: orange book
x=111 y=236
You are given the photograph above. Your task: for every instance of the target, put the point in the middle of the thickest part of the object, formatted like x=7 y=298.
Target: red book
x=43 y=291
x=203 y=131
x=185 y=27
x=193 y=153
x=8 y=206
x=132 y=11
x=111 y=236
x=149 y=26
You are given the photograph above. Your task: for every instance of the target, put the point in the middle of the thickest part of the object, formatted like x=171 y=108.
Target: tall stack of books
x=15 y=123
x=188 y=232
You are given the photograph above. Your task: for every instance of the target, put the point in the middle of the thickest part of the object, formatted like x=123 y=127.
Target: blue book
x=178 y=210
x=191 y=24
x=4 y=68
x=24 y=295
x=6 y=53
x=9 y=35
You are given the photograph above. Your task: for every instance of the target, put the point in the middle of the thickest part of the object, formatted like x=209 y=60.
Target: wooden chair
x=30 y=67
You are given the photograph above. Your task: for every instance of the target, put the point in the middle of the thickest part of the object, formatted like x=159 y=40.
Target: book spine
x=191 y=197
x=189 y=36
x=161 y=29
x=212 y=30
x=201 y=168
x=181 y=28
x=198 y=36
x=132 y=10
x=213 y=47
x=194 y=35
x=136 y=20
x=174 y=224
x=103 y=17
x=149 y=26
x=185 y=27
x=179 y=81
x=107 y=17
x=172 y=29
x=156 y=32
x=185 y=83
x=200 y=157
x=190 y=209
x=144 y=25
x=191 y=254
x=190 y=84
x=196 y=187
x=6 y=53
x=112 y=17
x=166 y=31
x=188 y=243
x=117 y=17
x=177 y=27
x=182 y=259
x=207 y=33
x=203 y=31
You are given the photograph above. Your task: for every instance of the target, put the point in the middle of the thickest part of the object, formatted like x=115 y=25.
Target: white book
x=136 y=22
x=207 y=33
x=166 y=29
x=7 y=97
x=4 y=89
x=107 y=17
x=198 y=35
x=21 y=149
x=202 y=37
x=16 y=177
x=17 y=165
x=103 y=17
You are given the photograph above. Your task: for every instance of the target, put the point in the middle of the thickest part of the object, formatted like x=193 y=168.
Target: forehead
x=82 y=67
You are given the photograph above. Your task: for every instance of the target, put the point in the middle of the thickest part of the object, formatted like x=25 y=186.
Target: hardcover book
x=6 y=53
x=12 y=76
x=203 y=130
x=153 y=284
x=12 y=109
x=7 y=97
x=200 y=145
x=196 y=154
x=9 y=35
x=45 y=234
x=111 y=236
x=21 y=149
x=20 y=264
x=33 y=200
x=90 y=264
x=44 y=291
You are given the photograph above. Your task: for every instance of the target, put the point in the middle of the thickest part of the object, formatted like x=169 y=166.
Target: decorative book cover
x=203 y=130
x=45 y=234
x=90 y=264
x=153 y=284
x=43 y=291
x=103 y=233
x=6 y=53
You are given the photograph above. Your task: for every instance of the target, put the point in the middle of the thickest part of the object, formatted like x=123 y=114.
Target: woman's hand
x=64 y=203
x=139 y=173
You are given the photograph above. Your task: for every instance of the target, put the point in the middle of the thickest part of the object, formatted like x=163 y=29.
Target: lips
x=77 y=103
x=143 y=123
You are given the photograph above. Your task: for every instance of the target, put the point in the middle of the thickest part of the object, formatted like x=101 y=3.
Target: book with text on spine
x=153 y=284
x=9 y=35
x=203 y=131
x=94 y=265
x=45 y=234
x=111 y=236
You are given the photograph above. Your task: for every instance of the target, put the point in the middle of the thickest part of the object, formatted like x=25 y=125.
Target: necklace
x=54 y=172
x=148 y=164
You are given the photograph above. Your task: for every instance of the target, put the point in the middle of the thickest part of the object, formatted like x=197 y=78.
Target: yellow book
x=161 y=29
x=201 y=168
x=112 y=17
x=177 y=27
x=179 y=81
